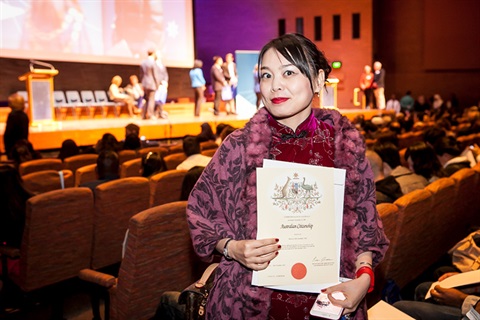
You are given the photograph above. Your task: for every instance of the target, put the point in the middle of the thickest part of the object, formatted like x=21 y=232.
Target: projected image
x=97 y=31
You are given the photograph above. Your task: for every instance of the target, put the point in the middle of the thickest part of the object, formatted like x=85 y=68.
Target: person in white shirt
x=393 y=104
x=191 y=148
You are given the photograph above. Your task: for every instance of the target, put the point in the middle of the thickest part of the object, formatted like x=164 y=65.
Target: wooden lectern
x=39 y=83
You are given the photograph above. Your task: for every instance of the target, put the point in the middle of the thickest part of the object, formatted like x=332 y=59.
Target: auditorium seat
x=39 y=165
x=102 y=98
x=466 y=196
x=173 y=160
x=209 y=152
x=410 y=255
x=158 y=240
x=166 y=186
x=208 y=145
x=176 y=148
x=47 y=180
x=115 y=203
x=161 y=150
x=126 y=155
x=131 y=168
x=57 y=239
x=80 y=160
x=85 y=174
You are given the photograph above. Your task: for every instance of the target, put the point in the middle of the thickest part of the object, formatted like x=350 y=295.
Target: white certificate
x=302 y=205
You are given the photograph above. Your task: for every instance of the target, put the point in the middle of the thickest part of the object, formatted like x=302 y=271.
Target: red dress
x=311 y=143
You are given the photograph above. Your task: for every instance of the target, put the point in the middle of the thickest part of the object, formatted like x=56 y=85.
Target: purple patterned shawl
x=223 y=204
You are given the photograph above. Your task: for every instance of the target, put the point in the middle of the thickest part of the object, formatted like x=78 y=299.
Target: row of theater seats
x=74 y=232
x=424 y=224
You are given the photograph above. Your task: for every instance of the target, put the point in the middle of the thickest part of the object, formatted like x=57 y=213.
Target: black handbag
x=195 y=296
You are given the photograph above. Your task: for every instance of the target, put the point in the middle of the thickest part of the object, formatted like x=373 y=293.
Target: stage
x=181 y=121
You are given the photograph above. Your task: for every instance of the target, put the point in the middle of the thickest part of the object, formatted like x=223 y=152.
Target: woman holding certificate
x=222 y=208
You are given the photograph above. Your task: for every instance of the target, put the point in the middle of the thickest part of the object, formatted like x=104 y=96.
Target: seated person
x=422 y=160
x=206 y=133
x=189 y=181
x=152 y=163
x=23 y=151
x=16 y=127
x=108 y=142
x=69 y=148
x=116 y=93
x=407 y=180
x=449 y=155
x=135 y=90
x=387 y=188
x=191 y=148
x=108 y=169
x=132 y=142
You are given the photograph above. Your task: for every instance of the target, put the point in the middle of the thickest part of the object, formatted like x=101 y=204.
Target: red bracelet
x=368 y=271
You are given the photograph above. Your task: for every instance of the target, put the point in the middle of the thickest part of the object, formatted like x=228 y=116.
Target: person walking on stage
x=198 y=85
x=150 y=78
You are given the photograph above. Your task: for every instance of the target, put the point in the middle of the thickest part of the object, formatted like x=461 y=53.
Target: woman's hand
x=353 y=290
x=254 y=254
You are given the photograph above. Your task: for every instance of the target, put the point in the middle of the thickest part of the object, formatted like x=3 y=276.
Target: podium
x=39 y=84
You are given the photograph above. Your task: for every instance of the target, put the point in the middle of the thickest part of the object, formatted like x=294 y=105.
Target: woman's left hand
x=353 y=290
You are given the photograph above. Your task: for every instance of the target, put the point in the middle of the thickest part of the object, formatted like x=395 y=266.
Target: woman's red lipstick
x=279 y=100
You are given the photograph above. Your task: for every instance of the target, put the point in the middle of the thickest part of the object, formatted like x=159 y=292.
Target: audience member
x=431 y=135
x=422 y=160
x=387 y=189
x=218 y=82
x=132 y=142
x=117 y=94
x=407 y=180
x=198 y=84
x=449 y=155
x=152 y=163
x=379 y=85
x=189 y=181
x=407 y=102
x=108 y=142
x=225 y=132
x=421 y=106
x=206 y=133
x=69 y=148
x=13 y=199
x=23 y=151
x=134 y=89
x=366 y=82
x=16 y=127
x=108 y=169
x=191 y=148
x=393 y=104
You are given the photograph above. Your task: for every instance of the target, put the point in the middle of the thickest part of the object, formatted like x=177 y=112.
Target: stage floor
x=181 y=121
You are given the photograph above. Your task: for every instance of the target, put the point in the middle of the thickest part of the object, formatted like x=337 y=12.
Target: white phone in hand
x=325 y=309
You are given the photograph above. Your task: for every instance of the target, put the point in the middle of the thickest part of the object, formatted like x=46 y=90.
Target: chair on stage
x=88 y=98
x=102 y=98
x=158 y=239
x=73 y=98
x=62 y=106
x=126 y=155
x=80 y=160
x=131 y=168
x=85 y=174
x=166 y=187
x=39 y=165
x=173 y=160
x=56 y=243
x=48 y=180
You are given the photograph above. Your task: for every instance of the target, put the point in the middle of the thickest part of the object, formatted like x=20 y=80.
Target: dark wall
x=86 y=76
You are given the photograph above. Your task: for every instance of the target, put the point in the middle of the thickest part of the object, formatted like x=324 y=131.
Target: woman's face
x=286 y=92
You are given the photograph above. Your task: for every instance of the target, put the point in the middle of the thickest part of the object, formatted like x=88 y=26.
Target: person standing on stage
x=229 y=68
x=218 y=82
x=16 y=128
x=162 y=91
x=198 y=85
x=366 y=81
x=150 y=78
x=379 y=84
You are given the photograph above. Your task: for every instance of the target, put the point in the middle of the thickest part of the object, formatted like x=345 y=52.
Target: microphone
x=40 y=63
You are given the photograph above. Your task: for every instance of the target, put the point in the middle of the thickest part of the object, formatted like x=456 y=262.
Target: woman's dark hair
x=424 y=159
x=153 y=163
x=108 y=142
x=132 y=142
x=69 y=148
x=448 y=145
x=388 y=152
x=191 y=146
x=206 y=133
x=13 y=198
x=301 y=52
x=22 y=151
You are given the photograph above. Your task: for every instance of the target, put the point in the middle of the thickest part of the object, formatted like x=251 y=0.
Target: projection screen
x=97 y=31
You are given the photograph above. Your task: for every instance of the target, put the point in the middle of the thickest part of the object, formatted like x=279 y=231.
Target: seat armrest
x=102 y=279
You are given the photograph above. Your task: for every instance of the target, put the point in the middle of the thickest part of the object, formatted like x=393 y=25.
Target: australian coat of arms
x=296 y=195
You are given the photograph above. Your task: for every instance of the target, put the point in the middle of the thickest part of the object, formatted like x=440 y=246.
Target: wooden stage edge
x=181 y=121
